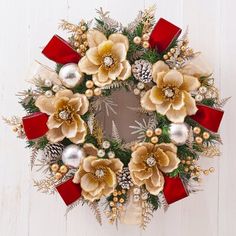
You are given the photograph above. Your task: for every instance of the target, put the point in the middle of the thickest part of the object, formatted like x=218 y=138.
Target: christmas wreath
x=177 y=96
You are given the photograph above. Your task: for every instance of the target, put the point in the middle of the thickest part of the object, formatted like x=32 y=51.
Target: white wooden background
x=26 y=26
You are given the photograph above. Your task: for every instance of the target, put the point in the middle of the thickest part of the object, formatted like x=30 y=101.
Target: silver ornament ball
x=72 y=155
x=70 y=75
x=179 y=133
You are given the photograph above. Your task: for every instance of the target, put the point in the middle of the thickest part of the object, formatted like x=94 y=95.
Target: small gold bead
x=149 y=133
x=97 y=91
x=146 y=44
x=154 y=139
x=186 y=169
x=189 y=158
x=63 y=169
x=172 y=50
x=145 y=37
x=115 y=199
x=83 y=28
x=58 y=176
x=183 y=48
x=115 y=194
x=183 y=161
x=82 y=47
x=196 y=130
x=165 y=57
x=199 y=180
x=89 y=84
x=197 y=174
x=206 y=135
x=76 y=36
x=76 y=44
x=180 y=59
x=79 y=32
x=84 y=36
x=54 y=167
x=206 y=172
x=123 y=191
x=158 y=131
x=191 y=167
x=78 y=50
x=212 y=169
x=89 y=93
x=188 y=162
x=119 y=193
x=169 y=54
x=137 y=40
x=14 y=129
x=136 y=91
x=121 y=200
x=112 y=204
x=198 y=140
x=85 y=43
x=114 y=209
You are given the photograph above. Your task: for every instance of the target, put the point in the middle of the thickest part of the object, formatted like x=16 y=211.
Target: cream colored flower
x=97 y=177
x=65 y=110
x=106 y=58
x=149 y=161
x=171 y=95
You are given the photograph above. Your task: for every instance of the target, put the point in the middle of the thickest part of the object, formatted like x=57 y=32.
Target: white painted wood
x=28 y=25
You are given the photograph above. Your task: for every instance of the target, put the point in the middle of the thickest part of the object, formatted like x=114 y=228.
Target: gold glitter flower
x=149 y=161
x=171 y=95
x=106 y=58
x=65 y=110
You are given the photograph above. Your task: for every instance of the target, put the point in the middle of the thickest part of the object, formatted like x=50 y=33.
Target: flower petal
x=163 y=108
x=190 y=83
x=95 y=37
x=167 y=147
x=126 y=72
x=116 y=165
x=87 y=164
x=84 y=103
x=55 y=135
x=143 y=174
x=102 y=74
x=53 y=123
x=146 y=102
x=155 y=184
x=64 y=93
x=135 y=179
x=161 y=157
x=45 y=104
x=173 y=163
x=139 y=155
x=92 y=55
x=176 y=116
x=89 y=197
x=190 y=104
x=98 y=191
x=119 y=51
x=104 y=49
x=159 y=66
x=173 y=77
x=178 y=102
x=120 y=38
x=79 y=138
x=90 y=149
x=101 y=84
x=75 y=102
x=69 y=130
x=156 y=96
x=136 y=166
x=100 y=162
x=110 y=178
x=88 y=183
x=113 y=74
x=87 y=67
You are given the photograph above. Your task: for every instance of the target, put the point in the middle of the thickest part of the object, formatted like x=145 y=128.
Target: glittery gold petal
x=79 y=138
x=119 y=51
x=146 y=102
x=116 y=165
x=102 y=75
x=64 y=93
x=45 y=104
x=95 y=37
x=190 y=83
x=173 y=163
x=110 y=178
x=104 y=49
x=143 y=174
x=55 y=135
x=176 y=116
x=69 y=130
x=88 y=183
x=139 y=155
x=87 y=67
x=174 y=78
x=190 y=104
x=92 y=55
x=161 y=157
x=156 y=96
x=84 y=103
x=86 y=164
x=113 y=74
x=120 y=38
x=53 y=123
x=90 y=149
x=163 y=108
x=158 y=67
x=126 y=72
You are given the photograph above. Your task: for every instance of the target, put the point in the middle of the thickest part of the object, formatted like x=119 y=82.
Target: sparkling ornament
x=53 y=151
x=48 y=83
x=64 y=115
x=136 y=198
x=202 y=90
x=146 y=44
x=136 y=190
x=72 y=155
x=111 y=154
x=142 y=71
x=70 y=75
x=199 y=97
x=144 y=196
x=48 y=93
x=179 y=133
x=151 y=161
x=101 y=153
x=108 y=61
x=106 y=144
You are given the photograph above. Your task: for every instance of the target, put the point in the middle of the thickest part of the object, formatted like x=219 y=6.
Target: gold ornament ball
x=85 y=43
x=63 y=169
x=58 y=175
x=198 y=140
x=145 y=37
x=206 y=135
x=188 y=162
x=212 y=169
x=89 y=93
x=115 y=193
x=158 y=131
x=186 y=169
x=89 y=84
x=154 y=139
x=54 y=167
x=76 y=37
x=196 y=130
x=79 y=31
x=97 y=91
x=183 y=48
x=165 y=57
x=183 y=161
x=121 y=200
x=146 y=44
x=76 y=44
x=206 y=172
x=115 y=199
x=137 y=40
x=82 y=47
x=83 y=28
x=169 y=54
x=191 y=168
x=112 y=204
x=78 y=50
x=136 y=91
x=172 y=50
x=84 y=36
x=149 y=133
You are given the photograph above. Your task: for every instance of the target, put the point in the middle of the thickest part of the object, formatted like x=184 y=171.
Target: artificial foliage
x=132 y=180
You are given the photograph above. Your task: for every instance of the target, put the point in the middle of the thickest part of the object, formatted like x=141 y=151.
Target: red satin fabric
x=60 y=51
x=35 y=125
x=174 y=189
x=69 y=191
x=163 y=35
x=208 y=117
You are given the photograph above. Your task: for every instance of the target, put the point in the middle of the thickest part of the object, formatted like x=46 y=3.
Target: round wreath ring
x=176 y=92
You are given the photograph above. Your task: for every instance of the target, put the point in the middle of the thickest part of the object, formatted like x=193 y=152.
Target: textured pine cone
x=53 y=151
x=124 y=178
x=142 y=70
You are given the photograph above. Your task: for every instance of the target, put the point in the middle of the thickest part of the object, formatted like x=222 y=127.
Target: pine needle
x=96 y=211
x=33 y=157
x=115 y=133
x=73 y=205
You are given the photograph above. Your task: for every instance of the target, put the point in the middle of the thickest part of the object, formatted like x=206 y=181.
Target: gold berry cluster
x=153 y=135
x=139 y=88
x=184 y=51
x=59 y=170
x=116 y=204
x=91 y=90
x=144 y=40
x=200 y=135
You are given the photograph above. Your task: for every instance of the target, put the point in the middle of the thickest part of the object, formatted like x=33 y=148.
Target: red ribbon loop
x=174 y=189
x=163 y=35
x=69 y=191
x=208 y=117
x=35 y=125
x=60 y=51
